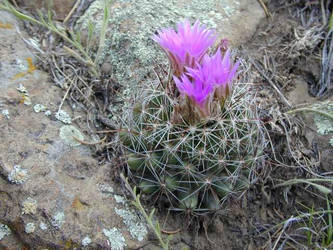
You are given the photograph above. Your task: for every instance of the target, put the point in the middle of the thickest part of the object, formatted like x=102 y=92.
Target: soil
x=253 y=221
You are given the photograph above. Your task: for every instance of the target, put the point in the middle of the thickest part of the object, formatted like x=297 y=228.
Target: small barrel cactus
x=193 y=139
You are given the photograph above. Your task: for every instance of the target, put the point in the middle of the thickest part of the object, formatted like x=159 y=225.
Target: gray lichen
x=4 y=231
x=119 y=199
x=5 y=113
x=323 y=123
x=68 y=132
x=18 y=175
x=29 y=206
x=135 y=225
x=58 y=219
x=86 y=241
x=43 y=226
x=62 y=116
x=106 y=189
x=39 y=108
x=29 y=228
x=115 y=239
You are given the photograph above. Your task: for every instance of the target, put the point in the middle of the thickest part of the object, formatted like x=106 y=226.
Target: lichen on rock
x=39 y=108
x=58 y=219
x=43 y=226
x=115 y=239
x=86 y=241
x=29 y=206
x=4 y=231
x=29 y=228
x=18 y=175
x=62 y=116
x=135 y=225
x=68 y=132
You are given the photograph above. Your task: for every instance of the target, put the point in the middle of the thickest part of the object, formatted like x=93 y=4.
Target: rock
x=60 y=8
x=129 y=47
x=51 y=191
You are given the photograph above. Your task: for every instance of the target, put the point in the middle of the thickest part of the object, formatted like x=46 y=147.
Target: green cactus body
x=197 y=165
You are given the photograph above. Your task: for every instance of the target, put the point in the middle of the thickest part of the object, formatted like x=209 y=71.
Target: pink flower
x=213 y=75
x=217 y=72
x=187 y=46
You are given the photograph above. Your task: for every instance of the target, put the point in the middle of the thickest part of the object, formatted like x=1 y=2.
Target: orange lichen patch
x=31 y=69
x=19 y=75
x=77 y=205
x=31 y=66
x=6 y=25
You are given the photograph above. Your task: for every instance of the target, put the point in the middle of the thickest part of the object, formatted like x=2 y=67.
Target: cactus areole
x=195 y=139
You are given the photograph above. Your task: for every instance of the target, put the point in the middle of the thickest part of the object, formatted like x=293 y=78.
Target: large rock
x=60 y=8
x=53 y=193
x=129 y=47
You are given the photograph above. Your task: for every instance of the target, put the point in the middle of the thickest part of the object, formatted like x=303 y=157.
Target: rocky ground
x=57 y=192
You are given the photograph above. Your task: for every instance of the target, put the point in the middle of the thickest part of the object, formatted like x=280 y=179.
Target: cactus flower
x=186 y=46
x=213 y=75
x=216 y=71
x=197 y=91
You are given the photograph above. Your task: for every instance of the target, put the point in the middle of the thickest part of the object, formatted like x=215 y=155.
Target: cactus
x=196 y=166
x=194 y=140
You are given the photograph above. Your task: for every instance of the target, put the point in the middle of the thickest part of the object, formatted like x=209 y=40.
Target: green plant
x=155 y=226
x=198 y=165
x=74 y=39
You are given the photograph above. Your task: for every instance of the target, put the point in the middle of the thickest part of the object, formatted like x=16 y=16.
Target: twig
x=271 y=83
x=71 y=12
x=311 y=110
x=171 y=232
x=263 y=5
x=89 y=143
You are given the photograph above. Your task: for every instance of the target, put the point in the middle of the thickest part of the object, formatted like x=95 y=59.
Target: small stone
x=29 y=206
x=62 y=116
x=29 y=228
x=39 y=108
x=68 y=132
x=58 y=219
x=115 y=238
x=18 y=175
x=5 y=113
x=86 y=241
x=42 y=226
x=4 y=231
